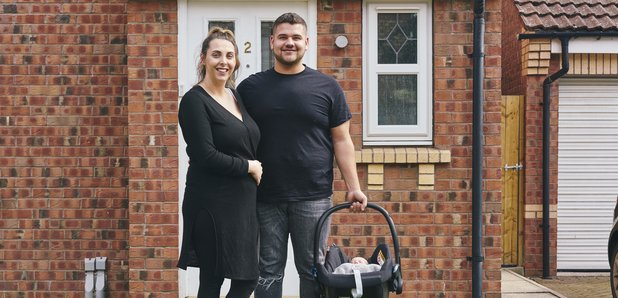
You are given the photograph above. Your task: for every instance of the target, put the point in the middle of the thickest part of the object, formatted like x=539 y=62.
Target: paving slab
x=515 y=285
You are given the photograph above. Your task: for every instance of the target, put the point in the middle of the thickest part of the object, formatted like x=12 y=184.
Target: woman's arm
x=196 y=130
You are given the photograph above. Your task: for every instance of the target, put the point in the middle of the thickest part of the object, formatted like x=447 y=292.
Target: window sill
x=426 y=158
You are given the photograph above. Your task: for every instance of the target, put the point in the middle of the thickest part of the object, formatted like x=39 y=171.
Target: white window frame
x=422 y=133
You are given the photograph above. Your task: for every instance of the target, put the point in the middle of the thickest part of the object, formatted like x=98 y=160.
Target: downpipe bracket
x=475 y=258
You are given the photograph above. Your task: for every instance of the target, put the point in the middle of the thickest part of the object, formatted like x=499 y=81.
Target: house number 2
x=247 y=47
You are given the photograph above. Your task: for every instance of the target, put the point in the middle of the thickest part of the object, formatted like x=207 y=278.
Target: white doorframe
x=187 y=279
x=184 y=84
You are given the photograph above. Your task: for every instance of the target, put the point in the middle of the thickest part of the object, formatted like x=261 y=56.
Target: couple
x=304 y=121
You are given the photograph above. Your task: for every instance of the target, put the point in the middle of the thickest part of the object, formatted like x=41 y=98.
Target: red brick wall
x=343 y=18
x=434 y=227
x=533 y=231
x=63 y=170
x=153 y=148
x=513 y=83
x=89 y=142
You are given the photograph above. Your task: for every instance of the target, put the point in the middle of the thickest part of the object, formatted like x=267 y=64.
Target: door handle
x=515 y=167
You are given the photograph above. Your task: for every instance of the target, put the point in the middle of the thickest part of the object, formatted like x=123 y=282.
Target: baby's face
x=358 y=260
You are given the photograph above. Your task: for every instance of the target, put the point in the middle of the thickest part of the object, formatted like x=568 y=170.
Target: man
x=304 y=122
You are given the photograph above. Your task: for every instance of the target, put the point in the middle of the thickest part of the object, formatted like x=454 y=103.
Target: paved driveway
x=581 y=285
x=565 y=285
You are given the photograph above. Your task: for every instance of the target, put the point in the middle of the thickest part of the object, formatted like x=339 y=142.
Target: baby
x=357 y=263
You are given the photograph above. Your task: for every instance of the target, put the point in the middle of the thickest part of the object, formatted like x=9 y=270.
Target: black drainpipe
x=564 y=41
x=477 y=148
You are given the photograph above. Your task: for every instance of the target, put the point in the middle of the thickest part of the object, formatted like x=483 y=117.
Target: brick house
x=92 y=164
x=581 y=98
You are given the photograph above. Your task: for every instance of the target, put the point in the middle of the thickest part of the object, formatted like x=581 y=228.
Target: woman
x=220 y=225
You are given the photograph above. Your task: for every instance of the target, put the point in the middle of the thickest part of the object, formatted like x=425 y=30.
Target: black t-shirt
x=295 y=114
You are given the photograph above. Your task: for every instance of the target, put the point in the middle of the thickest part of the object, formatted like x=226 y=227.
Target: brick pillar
x=533 y=243
x=153 y=149
x=63 y=146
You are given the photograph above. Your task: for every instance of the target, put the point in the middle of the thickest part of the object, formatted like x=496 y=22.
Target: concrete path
x=515 y=285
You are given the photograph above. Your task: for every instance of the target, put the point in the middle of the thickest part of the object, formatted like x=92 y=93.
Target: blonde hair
x=218 y=33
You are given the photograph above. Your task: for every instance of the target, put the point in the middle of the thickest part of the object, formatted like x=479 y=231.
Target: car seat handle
x=327 y=213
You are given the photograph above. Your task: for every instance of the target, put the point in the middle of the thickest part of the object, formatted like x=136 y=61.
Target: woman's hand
x=255 y=170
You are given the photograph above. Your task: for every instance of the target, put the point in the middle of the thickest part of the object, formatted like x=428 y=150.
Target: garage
x=587 y=171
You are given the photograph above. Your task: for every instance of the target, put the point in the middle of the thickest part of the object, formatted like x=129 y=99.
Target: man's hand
x=358 y=200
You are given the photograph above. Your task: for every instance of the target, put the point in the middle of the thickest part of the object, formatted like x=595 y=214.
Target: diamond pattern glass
x=397 y=38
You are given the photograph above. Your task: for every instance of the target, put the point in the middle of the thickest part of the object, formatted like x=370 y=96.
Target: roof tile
x=569 y=15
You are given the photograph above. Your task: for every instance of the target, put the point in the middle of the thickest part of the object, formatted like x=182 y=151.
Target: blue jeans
x=277 y=221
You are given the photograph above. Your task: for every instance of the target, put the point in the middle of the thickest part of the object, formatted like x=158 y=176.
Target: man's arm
x=346 y=160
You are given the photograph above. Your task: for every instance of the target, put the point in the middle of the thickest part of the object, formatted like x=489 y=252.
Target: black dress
x=218 y=186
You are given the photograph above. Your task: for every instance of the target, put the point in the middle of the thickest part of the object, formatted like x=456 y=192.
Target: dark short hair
x=289 y=18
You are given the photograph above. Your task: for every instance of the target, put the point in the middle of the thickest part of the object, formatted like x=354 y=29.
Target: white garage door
x=587 y=171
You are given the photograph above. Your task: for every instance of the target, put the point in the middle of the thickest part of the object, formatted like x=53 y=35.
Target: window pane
x=223 y=24
x=397 y=100
x=386 y=23
x=386 y=54
x=408 y=53
x=407 y=21
x=268 y=59
x=397 y=38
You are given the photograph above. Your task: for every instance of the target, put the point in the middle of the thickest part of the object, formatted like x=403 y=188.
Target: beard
x=288 y=60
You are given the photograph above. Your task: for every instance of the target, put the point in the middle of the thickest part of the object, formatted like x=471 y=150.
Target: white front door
x=251 y=23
